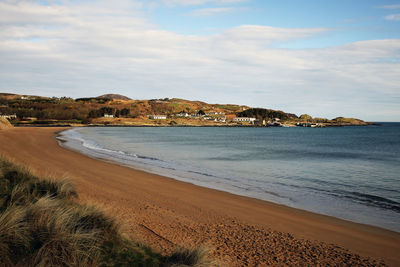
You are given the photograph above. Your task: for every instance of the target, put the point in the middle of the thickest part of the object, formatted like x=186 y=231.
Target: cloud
x=391 y=7
x=258 y=34
x=200 y=2
x=80 y=50
x=393 y=17
x=205 y=12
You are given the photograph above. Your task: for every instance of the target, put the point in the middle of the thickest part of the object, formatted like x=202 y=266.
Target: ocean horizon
x=350 y=173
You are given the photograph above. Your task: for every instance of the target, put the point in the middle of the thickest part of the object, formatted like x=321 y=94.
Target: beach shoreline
x=165 y=212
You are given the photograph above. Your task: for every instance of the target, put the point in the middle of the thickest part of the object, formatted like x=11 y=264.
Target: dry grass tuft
x=14 y=234
x=196 y=256
x=42 y=225
x=5 y=124
x=59 y=237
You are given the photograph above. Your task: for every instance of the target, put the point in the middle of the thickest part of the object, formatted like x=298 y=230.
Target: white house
x=244 y=119
x=158 y=117
x=182 y=115
x=108 y=116
x=196 y=115
x=221 y=119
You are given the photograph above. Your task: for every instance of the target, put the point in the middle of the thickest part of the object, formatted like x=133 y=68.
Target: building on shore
x=108 y=116
x=182 y=114
x=158 y=117
x=308 y=124
x=244 y=119
x=196 y=115
x=209 y=118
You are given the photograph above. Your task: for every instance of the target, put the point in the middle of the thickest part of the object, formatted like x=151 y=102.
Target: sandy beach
x=166 y=213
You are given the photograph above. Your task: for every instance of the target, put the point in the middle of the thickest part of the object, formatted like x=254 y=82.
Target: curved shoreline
x=80 y=140
x=185 y=213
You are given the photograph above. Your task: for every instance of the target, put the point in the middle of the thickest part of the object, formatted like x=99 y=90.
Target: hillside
x=114 y=109
x=115 y=96
x=17 y=96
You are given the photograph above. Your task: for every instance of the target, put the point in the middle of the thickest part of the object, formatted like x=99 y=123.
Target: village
x=118 y=110
x=210 y=118
x=221 y=118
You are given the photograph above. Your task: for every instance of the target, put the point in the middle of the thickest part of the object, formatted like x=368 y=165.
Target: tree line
x=262 y=114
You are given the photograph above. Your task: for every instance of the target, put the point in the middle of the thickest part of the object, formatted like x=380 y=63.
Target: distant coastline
x=117 y=110
x=171 y=126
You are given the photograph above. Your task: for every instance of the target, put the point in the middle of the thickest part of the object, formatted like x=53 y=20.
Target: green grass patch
x=229 y=107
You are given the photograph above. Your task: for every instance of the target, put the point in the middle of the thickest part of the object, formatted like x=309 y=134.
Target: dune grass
x=42 y=225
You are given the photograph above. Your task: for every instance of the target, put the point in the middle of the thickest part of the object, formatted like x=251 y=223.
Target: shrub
x=305 y=117
x=197 y=257
x=262 y=113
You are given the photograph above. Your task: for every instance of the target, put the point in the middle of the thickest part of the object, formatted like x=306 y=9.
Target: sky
x=324 y=58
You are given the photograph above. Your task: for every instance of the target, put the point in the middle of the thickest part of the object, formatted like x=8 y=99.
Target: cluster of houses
x=198 y=115
x=211 y=116
x=219 y=117
x=216 y=117
x=186 y=115
x=308 y=124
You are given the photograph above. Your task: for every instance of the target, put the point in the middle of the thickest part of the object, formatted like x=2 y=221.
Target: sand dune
x=166 y=213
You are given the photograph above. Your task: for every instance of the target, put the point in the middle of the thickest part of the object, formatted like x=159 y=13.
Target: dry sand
x=165 y=213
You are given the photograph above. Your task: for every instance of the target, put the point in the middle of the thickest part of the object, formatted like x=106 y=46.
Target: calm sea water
x=347 y=172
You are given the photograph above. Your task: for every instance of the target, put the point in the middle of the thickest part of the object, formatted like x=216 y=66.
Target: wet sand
x=166 y=213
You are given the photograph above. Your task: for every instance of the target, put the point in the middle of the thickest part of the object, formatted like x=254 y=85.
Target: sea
x=352 y=173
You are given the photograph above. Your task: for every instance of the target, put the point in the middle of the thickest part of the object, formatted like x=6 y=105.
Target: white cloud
x=391 y=7
x=257 y=34
x=393 y=17
x=86 y=50
x=200 y=2
x=204 y=12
